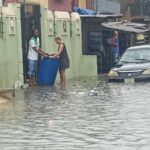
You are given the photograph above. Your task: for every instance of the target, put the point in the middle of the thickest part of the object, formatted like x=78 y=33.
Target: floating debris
x=3 y=100
x=51 y=121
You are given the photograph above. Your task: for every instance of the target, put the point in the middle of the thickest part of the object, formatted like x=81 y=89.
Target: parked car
x=134 y=65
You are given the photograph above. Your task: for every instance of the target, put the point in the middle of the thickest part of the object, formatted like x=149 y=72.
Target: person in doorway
x=32 y=56
x=64 y=60
x=115 y=47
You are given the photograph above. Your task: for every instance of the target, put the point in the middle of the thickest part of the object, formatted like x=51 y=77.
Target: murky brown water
x=90 y=115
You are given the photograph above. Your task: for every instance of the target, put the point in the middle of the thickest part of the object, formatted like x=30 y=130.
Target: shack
x=130 y=34
x=92 y=37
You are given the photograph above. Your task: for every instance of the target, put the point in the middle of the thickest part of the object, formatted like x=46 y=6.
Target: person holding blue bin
x=48 y=71
x=32 y=56
x=64 y=62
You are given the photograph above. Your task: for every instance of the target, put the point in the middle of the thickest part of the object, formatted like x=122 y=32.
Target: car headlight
x=147 y=72
x=113 y=73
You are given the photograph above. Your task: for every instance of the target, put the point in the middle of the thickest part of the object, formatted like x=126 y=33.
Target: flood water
x=90 y=114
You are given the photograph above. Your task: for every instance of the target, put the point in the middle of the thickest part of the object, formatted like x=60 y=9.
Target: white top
x=32 y=54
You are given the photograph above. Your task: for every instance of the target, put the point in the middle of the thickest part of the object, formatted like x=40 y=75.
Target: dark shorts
x=32 y=65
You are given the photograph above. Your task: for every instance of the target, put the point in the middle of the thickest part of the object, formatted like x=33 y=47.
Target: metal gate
x=30 y=19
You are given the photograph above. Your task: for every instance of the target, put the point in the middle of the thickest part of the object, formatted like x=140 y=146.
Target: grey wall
x=112 y=6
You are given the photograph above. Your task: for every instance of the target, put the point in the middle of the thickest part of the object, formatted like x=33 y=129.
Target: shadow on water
x=89 y=114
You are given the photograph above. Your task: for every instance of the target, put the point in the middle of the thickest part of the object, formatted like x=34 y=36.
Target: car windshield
x=139 y=55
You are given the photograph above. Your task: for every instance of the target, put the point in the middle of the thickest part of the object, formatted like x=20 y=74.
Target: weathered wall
x=60 y=5
x=41 y=2
x=80 y=65
x=76 y=3
x=82 y=3
x=1 y=3
x=68 y=26
x=107 y=6
x=11 y=67
x=90 y=4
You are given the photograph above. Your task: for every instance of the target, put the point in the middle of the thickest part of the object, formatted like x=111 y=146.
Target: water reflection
x=89 y=114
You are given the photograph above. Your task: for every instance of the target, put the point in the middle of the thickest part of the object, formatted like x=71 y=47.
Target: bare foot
x=35 y=83
x=30 y=84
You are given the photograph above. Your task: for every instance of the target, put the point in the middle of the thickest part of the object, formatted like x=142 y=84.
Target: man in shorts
x=32 y=56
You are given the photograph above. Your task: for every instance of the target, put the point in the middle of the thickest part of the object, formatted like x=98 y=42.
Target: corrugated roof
x=128 y=27
x=104 y=16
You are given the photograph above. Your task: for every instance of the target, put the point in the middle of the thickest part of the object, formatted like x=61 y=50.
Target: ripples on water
x=89 y=114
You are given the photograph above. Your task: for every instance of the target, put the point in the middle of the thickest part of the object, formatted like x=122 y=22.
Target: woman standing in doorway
x=64 y=60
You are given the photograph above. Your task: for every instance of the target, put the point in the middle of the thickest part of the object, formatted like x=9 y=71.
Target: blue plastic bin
x=48 y=71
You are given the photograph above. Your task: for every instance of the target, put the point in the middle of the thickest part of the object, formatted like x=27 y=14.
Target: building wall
x=41 y=2
x=52 y=23
x=60 y=5
x=67 y=5
x=112 y=6
x=10 y=1
x=90 y=4
x=82 y=3
x=1 y=3
x=11 y=64
x=76 y=2
x=79 y=63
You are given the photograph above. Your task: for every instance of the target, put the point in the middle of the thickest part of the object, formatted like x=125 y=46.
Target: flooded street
x=90 y=114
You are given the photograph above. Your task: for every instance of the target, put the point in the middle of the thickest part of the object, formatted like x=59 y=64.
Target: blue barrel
x=48 y=71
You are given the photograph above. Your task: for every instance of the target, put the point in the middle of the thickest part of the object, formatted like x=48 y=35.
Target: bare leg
x=30 y=80
x=62 y=78
x=34 y=80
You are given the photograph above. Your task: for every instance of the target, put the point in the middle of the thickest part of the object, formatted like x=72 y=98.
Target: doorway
x=30 y=19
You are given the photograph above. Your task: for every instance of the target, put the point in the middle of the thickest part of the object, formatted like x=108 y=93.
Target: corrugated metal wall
x=60 y=5
x=107 y=6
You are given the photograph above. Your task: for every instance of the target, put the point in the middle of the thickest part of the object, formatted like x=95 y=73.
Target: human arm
x=41 y=52
x=60 y=50
x=114 y=42
x=44 y=53
x=34 y=43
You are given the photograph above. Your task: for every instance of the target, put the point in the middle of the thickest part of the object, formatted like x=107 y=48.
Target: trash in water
x=51 y=121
